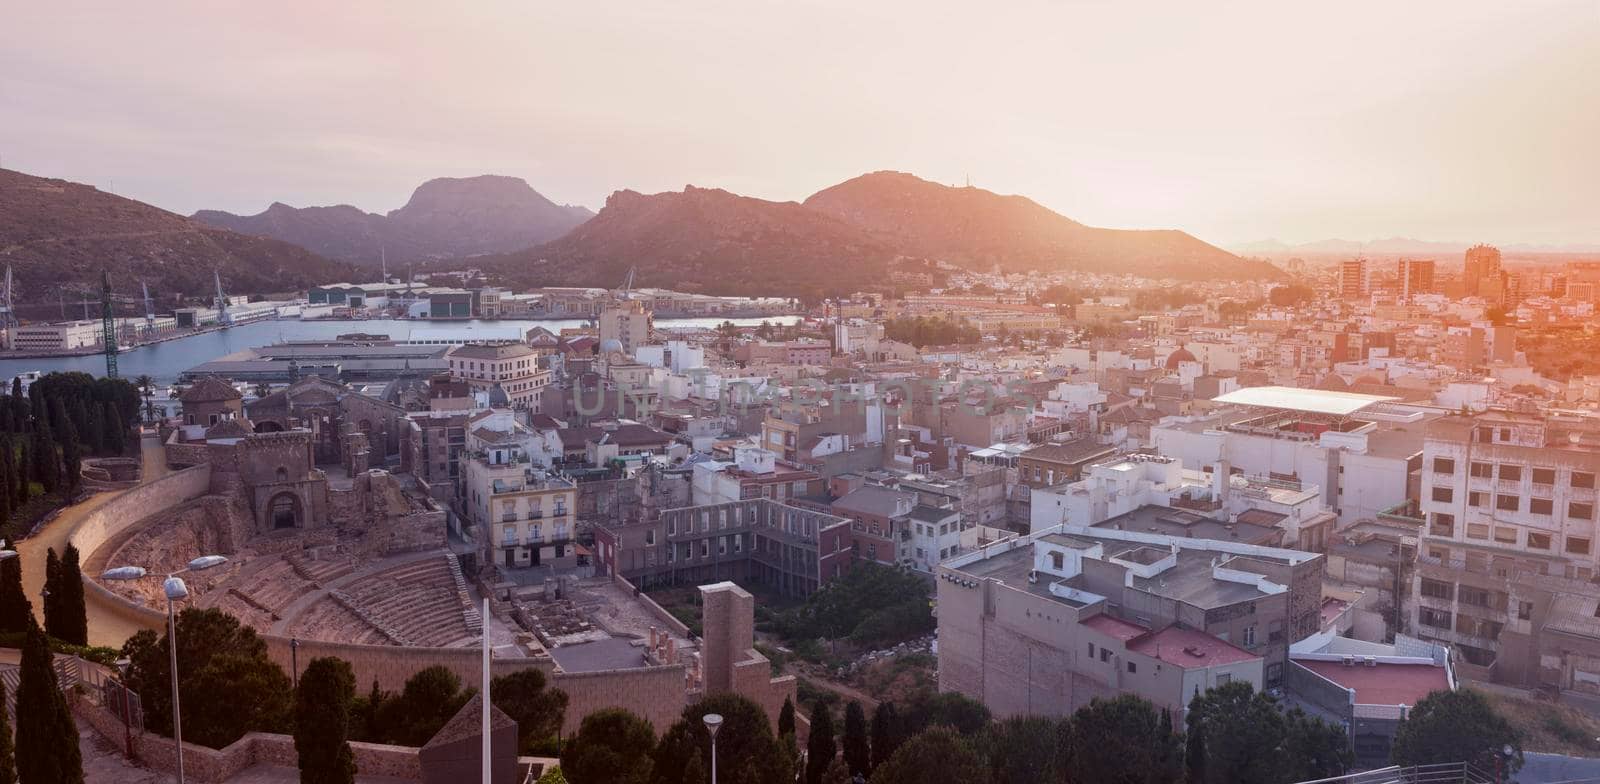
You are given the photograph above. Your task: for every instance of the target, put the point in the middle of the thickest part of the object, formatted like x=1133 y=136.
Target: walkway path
x=104 y=628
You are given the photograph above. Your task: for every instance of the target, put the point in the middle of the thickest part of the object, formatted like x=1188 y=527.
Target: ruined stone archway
x=284 y=511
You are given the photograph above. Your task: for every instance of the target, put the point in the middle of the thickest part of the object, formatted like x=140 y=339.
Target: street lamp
x=175 y=590
x=294 y=661
x=127 y=703
x=713 y=723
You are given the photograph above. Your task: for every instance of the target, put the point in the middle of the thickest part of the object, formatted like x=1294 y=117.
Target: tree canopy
x=937 y=756
x=1124 y=740
x=612 y=745
x=747 y=751
x=537 y=708
x=1455 y=726
x=871 y=604
x=322 y=722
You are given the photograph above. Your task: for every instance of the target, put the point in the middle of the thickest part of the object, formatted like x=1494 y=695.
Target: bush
x=98 y=654
x=871 y=605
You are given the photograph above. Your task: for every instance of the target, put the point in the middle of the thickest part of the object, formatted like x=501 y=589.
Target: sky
x=1237 y=121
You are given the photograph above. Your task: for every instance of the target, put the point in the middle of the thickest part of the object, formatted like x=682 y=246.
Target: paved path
x=1551 y=768
x=104 y=629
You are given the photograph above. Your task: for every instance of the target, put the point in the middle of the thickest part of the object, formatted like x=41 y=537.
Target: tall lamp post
x=713 y=723
x=127 y=704
x=175 y=590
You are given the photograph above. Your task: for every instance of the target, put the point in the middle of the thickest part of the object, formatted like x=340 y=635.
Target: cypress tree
x=786 y=718
x=820 y=747
x=115 y=430
x=74 y=614
x=53 y=617
x=71 y=456
x=47 y=737
x=45 y=468
x=8 y=760
x=322 y=722
x=888 y=732
x=857 y=749
x=16 y=612
x=24 y=481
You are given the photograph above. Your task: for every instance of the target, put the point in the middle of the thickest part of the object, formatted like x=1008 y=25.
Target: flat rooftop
x=1189 y=649
x=1311 y=401
x=1387 y=683
x=614 y=654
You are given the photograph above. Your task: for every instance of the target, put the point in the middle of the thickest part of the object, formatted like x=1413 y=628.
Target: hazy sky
x=1235 y=121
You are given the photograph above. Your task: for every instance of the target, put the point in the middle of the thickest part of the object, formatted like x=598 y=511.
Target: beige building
x=56 y=337
x=1043 y=624
x=523 y=515
x=1509 y=499
x=628 y=322
x=510 y=365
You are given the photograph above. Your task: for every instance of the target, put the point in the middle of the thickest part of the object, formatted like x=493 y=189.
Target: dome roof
x=610 y=345
x=1181 y=355
x=498 y=397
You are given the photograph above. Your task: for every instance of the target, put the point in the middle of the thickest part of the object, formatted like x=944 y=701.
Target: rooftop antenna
x=149 y=311
x=627 y=283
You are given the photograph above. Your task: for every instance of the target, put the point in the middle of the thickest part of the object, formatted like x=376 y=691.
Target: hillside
x=58 y=235
x=706 y=240
x=445 y=218
x=976 y=228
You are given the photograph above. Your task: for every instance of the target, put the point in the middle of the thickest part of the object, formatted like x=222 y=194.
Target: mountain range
x=1392 y=246
x=449 y=217
x=57 y=237
x=846 y=237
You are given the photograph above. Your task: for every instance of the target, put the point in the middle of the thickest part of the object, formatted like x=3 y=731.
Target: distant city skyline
x=1441 y=122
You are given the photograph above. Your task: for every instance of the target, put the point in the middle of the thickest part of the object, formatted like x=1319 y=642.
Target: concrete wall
x=1320 y=691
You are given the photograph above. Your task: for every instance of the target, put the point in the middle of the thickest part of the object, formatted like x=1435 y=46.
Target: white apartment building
x=628 y=322
x=523 y=515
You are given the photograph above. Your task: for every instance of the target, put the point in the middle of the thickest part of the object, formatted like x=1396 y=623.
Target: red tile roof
x=1385 y=684
x=1189 y=649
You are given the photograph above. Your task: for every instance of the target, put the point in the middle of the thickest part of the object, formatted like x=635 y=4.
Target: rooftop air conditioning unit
x=1371 y=661
x=1349 y=661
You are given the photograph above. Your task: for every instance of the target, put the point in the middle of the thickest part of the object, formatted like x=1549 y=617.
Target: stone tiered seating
x=329 y=620
x=417 y=602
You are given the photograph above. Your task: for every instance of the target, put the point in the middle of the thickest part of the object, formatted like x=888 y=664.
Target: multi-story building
x=789 y=549
x=628 y=322
x=1353 y=281
x=754 y=473
x=522 y=515
x=509 y=365
x=1505 y=496
x=1043 y=624
x=1480 y=271
x=1415 y=276
x=56 y=337
x=1053 y=464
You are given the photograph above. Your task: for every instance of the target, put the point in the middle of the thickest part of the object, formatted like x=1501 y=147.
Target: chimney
x=1219 y=481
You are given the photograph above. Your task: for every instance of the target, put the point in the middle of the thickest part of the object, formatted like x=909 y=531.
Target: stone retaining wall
x=656 y=610
x=213 y=766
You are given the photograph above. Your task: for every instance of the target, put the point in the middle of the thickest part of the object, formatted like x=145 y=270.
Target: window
x=1538 y=541
x=1443 y=524
x=1477 y=597
x=1477 y=531
x=1482 y=470
x=1583 y=480
x=1508 y=503
x=1544 y=476
x=1475 y=499
x=1443 y=494
x=1510 y=473
x=1580 y=511
x=722 y=545
x=1105 y=654
x=1133 y=667
x=1505 y=535
x=1578 y=545
x=1057 y=561
x=1444 y=465
x=1437 y=589
x=1091 y=650
x=1250 y=636
x=1541 y=506
x=705 y=548
x=738 y=543
x=650 y=537
x=1524 y=610
x=1438 y=619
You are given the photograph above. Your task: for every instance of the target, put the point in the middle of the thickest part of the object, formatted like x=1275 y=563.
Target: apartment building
x=523 y=516
x=1052 y=464
x=628 y=322
x=1353 y=281
x=510 y=366
x=1042 y=624
x=753 y=473
x=1507 y=497
x=757 y=540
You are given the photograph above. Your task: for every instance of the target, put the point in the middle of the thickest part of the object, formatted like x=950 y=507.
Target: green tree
x=74 y=613
x=888 y=733
x=429 y=700
x=1123 y=740
x=937 y=756
x=747 y=751
x=16 y=612
x=857 y=745
x=47 y=737
x=1455 y=726
x=538 y=710
x=612 y=745
x=8 y=760
x=553 y=776
x=322 y=722
x=966 y=715
x=838 y=772
x=24 y=469
x=1319 y=750
x=54 y=618
x=116 y=430
x=1244 y=735
x=71 y=454
x=46 y=469
x=1022 y=750
x=820 y=744
x=786 y=718
x=227 y=683
x=364 y=714
x=872 y=604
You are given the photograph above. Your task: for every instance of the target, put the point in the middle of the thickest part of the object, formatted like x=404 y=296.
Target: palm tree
x=144 y=383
